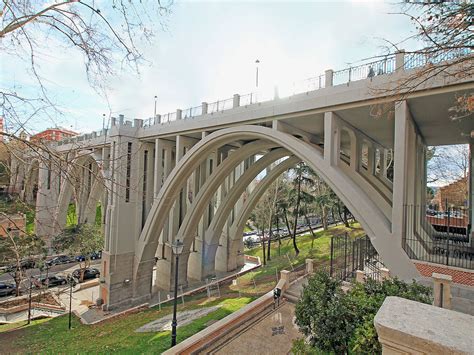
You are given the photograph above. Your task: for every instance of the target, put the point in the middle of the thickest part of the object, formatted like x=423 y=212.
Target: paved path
x=273 y=334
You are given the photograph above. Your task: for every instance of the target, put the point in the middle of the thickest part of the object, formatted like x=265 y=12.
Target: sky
x=207 y=52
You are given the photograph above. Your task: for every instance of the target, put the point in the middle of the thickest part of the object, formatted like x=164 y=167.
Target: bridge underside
x=195 y=180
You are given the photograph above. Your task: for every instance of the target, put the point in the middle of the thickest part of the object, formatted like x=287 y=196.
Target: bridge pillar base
x=165 y=270
x=118 y=289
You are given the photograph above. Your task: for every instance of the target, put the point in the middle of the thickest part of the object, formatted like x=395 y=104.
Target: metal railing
x=220 y=105
x=347 y=255
x=420 y=59
x=192 y=112
x=440 y=237
x=364 y=71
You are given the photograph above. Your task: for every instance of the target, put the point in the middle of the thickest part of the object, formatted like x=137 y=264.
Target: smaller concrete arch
x=31 y=182
x=237 y=228
x=70 y=188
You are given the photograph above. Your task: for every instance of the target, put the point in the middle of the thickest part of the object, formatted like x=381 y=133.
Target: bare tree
x=106 y=36
x=444 y=36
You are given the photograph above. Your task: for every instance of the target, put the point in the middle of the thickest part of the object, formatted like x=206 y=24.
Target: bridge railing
x=440 y=237
x=422 y=58
x=220 y=105
x=192 y=112
x=364 y=71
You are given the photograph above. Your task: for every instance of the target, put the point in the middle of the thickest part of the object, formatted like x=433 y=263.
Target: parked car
x=7 y=289
x=93 y=256
x=24 y=264
x=50 y=281
x=89 y=273
x=58 y=260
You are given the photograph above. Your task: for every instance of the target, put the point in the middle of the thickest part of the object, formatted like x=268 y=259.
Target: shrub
x=337 y=322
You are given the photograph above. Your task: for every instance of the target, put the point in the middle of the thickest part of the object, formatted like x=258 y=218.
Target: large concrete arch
x=211 y=185
x=372 y=219
x=191 y=221
x=71 y=181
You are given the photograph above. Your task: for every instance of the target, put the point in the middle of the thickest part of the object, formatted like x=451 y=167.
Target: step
x=291 y=298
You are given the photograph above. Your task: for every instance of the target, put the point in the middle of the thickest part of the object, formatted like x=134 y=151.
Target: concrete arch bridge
x=188 y=175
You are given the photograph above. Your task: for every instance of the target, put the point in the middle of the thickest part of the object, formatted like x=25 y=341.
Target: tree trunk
x=298 y=200
x=324 y=217
x=270 y=233
x=311 y=229
x=263 y=248
x=342 y=216
x=287 y=222
x=279 y=235
x=346 y=221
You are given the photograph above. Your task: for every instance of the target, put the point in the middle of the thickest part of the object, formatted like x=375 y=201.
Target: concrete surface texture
x=183 y=318
x=405 y=326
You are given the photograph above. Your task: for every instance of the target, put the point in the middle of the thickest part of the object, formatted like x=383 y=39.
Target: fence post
x=360 y=276
x=384 y=273
x=328 y=77
x=447 y=230
x=345 y=256
x=400 y=60
x=442 y=290
x=204 y=107
x=236 y=101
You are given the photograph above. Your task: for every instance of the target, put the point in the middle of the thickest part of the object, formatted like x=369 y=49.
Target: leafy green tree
x=81 y=239
x=339 y=322
x=323 y=314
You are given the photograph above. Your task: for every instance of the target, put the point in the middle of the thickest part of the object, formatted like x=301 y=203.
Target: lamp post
x=257 y=62
x=71 y=282
x=177 y=247
x=154 y=112
x=103 y=121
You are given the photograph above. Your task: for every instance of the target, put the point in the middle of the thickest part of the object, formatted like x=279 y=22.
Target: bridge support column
x=165 y=269
x=46 y=199
x=123 y=226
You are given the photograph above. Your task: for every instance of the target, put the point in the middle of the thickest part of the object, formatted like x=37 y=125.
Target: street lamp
x=154 y=112
x=257 y=62
x=177 y=247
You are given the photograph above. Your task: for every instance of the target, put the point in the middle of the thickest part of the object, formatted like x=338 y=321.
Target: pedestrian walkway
x=273 y=333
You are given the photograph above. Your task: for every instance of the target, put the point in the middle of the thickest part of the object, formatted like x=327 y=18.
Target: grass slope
x=117 y=335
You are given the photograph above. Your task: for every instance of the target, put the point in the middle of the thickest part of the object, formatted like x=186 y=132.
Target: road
x=63 y=269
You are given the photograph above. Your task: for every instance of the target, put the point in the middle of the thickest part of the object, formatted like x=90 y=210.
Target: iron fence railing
x=364 y=71
x=347 y=255
x=440 y=237
x=192 y=112
x=422 y=58
x=220 y=105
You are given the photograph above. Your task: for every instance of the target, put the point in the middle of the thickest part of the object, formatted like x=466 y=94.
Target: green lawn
x=318 y=249
x=53 y=336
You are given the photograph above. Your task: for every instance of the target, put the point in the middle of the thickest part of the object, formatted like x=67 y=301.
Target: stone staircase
x=293 y=293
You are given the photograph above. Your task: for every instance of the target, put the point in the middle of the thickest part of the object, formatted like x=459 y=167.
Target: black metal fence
x=351 y=254
x=441 y=237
